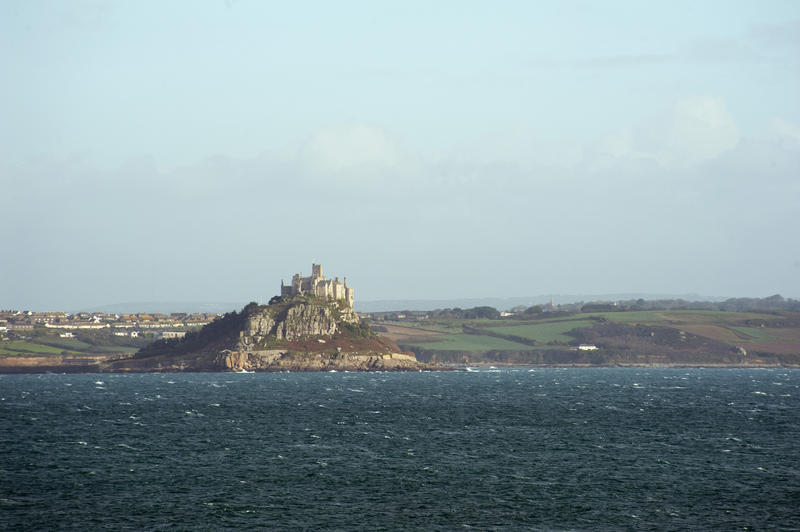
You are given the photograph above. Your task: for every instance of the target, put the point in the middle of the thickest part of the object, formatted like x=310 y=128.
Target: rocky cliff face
x=299 y=320
x=277 y=360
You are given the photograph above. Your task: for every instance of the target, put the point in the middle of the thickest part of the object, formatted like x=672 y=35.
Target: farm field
x=54 y=346
x=677 y=316
x=716 y=332
x=695 y=331
x=17 y=347
x=64 y=343
x=547 y=332
x=468 y=342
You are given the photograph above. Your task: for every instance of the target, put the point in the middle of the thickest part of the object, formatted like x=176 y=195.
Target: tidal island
x=310 y=326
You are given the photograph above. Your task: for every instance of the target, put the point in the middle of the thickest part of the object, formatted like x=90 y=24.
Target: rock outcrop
x=277 y=360
x=299 y=320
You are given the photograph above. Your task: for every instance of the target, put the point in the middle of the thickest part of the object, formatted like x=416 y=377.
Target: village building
x=170 y=334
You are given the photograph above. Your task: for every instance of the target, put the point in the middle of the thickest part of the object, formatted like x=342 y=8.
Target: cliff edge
x=292 y=333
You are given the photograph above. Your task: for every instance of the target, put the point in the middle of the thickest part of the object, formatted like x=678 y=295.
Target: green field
x=117 y=349
x=21 y=346
x=654 y=317
x=448 y=327
x=468 y=342
x=47 y=345
x=760 y=334
x=64 y=343
x=551 y=331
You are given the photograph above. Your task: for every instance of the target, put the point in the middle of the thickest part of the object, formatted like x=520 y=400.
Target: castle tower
x=297 y=284
x=316 y=271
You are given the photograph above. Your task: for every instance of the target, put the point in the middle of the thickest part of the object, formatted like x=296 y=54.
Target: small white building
x=587 y=347
x=171 y=334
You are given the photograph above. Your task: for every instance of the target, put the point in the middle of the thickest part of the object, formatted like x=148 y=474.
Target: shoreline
x=56 y=370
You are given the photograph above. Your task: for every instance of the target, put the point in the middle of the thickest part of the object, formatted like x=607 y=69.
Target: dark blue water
x=550 y=449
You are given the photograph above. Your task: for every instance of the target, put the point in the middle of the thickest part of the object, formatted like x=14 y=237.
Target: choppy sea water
x=543 y=449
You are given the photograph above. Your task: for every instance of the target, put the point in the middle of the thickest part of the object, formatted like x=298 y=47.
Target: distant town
x=153 y=325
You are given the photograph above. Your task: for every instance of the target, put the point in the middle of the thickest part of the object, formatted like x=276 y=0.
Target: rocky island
x=311 y=326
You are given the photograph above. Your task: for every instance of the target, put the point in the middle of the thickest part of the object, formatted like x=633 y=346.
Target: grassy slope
x=551 y=331
x=49 y=345
x=23 y=347
x=467 y=342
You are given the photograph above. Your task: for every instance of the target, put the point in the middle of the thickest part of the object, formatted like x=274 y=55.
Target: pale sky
x=203 y=150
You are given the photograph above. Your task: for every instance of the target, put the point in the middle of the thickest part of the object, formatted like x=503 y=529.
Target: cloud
x=701 y=51
x=696 y=129
x=785 y=131
x=701 y=129
x=718 y=50
x=621 y=145
x=86 y=15
x=350 y=153
x=762 y=166
x=625 y=60
x=780 y=34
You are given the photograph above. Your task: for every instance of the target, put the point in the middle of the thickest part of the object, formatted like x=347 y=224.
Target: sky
x=205 y=150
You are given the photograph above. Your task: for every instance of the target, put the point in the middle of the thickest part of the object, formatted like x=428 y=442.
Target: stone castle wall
x=317 y=285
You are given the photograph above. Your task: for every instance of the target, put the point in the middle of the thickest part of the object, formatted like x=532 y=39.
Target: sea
x=478 y=449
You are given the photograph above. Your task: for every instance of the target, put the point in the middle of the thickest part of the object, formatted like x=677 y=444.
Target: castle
x=319 y=286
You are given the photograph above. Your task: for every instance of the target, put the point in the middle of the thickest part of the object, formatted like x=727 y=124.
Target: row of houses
x=131 y=325
x=24 y=320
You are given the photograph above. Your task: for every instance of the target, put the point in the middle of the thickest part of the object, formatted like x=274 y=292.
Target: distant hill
x=389 y=305
x=506 y=303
